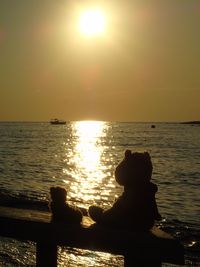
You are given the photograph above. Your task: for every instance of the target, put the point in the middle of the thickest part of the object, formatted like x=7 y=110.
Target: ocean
x=81 y=156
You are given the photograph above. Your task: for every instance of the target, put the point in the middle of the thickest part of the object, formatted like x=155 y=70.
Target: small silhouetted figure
x=136 y=207
x=61 y=211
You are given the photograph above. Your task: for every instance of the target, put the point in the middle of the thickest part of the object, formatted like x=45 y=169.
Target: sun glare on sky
x=92 y=22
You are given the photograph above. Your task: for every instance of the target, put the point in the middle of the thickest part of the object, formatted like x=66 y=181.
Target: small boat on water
x=57 y=121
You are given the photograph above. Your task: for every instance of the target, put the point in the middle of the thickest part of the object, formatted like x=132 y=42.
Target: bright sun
x=92 y=22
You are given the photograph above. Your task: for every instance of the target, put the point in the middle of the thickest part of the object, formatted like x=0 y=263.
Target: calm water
x=82 y=156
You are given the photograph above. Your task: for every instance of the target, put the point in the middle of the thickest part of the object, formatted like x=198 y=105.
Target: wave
x=21 y=201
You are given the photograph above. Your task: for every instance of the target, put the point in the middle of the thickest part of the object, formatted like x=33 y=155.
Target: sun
x=92 y=22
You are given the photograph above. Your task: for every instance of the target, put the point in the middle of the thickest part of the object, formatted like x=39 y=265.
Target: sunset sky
x=144 y=65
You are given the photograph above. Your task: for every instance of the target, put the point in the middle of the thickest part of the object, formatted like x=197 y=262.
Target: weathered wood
x=151 y=247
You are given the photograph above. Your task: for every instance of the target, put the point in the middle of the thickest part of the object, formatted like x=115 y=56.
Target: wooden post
x=46 y=255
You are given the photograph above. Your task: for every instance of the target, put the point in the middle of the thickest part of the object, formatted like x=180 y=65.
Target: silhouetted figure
x=61 y=211
x=136 y=207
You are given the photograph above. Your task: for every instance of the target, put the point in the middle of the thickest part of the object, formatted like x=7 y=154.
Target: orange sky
x=144 y=68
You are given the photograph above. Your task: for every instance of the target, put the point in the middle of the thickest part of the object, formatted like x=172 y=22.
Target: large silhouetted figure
x=136 y=207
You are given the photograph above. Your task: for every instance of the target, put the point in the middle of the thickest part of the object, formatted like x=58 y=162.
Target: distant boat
x=57 y=121
x=153 y=126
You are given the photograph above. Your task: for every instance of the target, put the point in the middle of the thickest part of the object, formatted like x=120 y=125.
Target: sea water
x=81 y=156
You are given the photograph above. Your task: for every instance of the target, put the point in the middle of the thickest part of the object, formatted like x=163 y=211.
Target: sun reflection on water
x=88 y=147
x=86 y=158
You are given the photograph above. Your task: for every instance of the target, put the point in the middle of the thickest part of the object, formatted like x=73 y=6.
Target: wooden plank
x=155 y=245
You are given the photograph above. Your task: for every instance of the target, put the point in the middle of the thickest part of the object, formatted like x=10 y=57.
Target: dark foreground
x=142 y=248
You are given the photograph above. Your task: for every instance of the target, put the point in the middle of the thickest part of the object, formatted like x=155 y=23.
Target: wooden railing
x=138 y=248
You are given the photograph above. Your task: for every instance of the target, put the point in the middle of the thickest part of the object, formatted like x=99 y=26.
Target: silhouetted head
x=136 y=167
x=58 y=194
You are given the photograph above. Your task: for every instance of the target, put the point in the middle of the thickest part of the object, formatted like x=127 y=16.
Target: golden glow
x=87 y=148
x=92 y=22
x=87 y=169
